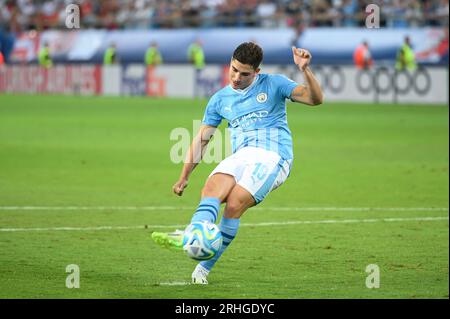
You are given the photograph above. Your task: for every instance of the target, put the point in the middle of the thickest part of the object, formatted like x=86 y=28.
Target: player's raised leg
x=238 y=201
x=215 y=191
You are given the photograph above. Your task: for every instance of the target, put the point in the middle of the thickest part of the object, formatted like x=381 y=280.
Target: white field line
x=184 y=208
x=286 y=223
x=175 y=283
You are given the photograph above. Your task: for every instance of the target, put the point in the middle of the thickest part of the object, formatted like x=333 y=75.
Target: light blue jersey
x=256 y=115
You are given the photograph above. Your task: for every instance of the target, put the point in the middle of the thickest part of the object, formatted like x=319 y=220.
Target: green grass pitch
x=369 y=185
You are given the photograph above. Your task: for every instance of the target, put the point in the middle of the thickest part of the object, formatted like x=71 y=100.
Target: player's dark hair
x=249 y=53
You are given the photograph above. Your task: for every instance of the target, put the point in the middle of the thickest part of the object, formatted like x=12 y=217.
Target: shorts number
x=260 y=172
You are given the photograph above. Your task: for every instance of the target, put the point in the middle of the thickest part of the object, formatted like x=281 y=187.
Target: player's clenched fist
x=179 y=187
x=302 y=57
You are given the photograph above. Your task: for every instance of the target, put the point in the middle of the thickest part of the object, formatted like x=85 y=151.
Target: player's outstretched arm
x=193 y=157
x=309 y=93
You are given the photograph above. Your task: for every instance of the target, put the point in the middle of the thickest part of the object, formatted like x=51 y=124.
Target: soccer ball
x=202 y=240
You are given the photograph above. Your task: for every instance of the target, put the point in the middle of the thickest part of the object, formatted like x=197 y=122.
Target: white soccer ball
x=202 y=240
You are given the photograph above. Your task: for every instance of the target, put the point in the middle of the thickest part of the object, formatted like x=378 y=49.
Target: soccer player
x=254 y=106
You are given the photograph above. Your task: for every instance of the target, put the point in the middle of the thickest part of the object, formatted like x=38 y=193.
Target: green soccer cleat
x=169 y=240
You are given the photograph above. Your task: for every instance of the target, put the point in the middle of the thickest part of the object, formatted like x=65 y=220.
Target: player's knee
x=210 y=190
x=206 y=190
x=218 y=186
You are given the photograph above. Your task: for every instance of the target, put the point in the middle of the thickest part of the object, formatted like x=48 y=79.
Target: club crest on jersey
x=261 y=97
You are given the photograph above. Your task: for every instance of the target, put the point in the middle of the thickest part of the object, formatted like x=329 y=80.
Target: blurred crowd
x=21 y=15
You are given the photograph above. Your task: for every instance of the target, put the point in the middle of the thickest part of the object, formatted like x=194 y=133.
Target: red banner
x=60 y=79
x=155 y=86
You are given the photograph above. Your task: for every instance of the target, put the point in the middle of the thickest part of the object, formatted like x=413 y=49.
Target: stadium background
x=85 y=171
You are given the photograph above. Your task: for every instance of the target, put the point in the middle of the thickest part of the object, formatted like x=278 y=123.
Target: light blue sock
x=229 y=228
x=208 y=209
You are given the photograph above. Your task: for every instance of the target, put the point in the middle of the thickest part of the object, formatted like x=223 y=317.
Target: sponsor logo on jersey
x=248 y=119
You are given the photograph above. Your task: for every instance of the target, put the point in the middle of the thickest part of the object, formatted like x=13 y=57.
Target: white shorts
x=257 y=170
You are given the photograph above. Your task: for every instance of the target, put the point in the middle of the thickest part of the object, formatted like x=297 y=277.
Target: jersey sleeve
x=284 y=85
x=212 y=116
